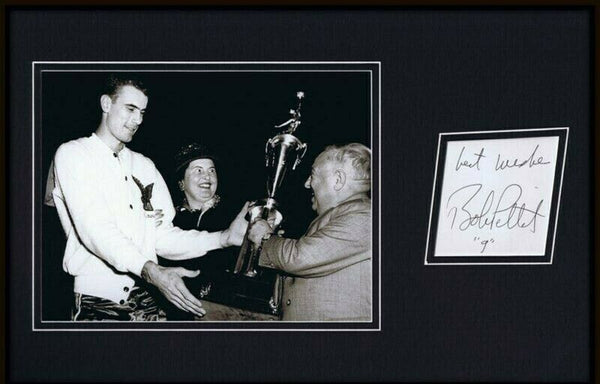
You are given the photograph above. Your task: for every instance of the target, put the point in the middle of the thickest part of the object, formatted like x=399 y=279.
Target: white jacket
x=109 y=237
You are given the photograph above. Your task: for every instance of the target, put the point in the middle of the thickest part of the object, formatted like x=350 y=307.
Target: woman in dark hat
x=198 y=181
x=200 y=208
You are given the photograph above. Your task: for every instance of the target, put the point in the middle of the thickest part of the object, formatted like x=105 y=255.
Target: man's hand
x=234 y=235
x=170 y=283
x=259 y=230
x=157 y=215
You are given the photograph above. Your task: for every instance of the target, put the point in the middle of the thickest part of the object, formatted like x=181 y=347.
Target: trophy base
x=216 y=312
x=254 y=294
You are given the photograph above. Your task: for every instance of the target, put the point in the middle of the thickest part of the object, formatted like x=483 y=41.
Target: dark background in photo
x=233 y=113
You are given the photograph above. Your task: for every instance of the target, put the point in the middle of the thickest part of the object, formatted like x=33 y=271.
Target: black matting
x=442 y=71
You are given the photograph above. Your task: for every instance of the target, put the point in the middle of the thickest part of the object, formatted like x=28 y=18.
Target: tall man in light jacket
x=330 y=267
x=107 y=197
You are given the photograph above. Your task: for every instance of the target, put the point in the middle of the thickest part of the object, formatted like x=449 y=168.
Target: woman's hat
x=191 y=152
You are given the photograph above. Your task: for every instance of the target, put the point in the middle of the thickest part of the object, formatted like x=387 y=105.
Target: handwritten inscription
x=531 y=161
x=501 y=163
x=484 y=243
x=496 y=196
x=505 y=212
x=465 y=163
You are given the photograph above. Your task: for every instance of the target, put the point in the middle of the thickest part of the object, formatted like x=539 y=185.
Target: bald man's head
x=339 y=173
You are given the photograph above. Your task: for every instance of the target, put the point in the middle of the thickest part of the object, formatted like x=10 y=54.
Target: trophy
x=282 y=151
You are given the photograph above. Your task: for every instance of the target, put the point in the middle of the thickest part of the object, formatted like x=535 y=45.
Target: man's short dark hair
x=114 y=84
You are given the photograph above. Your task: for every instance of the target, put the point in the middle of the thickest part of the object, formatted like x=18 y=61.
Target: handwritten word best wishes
x=501 y=210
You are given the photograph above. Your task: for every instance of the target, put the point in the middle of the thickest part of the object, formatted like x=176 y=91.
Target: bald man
x=329 y=269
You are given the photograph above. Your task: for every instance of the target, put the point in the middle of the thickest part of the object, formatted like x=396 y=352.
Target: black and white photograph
x=205 y=192
x=316 y=193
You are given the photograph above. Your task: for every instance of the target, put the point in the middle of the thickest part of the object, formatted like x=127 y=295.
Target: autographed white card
x=496 y=197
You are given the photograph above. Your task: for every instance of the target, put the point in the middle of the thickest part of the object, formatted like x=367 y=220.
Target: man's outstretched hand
x=259 y=230
x=234 y=235
x=170 y=283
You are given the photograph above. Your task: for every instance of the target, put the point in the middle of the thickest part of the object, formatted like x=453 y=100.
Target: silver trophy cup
x=282 y=151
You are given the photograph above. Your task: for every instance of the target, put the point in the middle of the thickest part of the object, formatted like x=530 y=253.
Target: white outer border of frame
x=159 y=329
x=435 y=175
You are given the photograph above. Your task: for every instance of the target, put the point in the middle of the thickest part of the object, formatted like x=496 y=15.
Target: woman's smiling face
x=200 y=180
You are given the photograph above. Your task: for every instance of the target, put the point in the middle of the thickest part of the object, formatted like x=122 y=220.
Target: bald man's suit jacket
x=330 y=267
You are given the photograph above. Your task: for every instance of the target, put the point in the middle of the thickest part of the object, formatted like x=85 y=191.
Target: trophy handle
x=299 y=156
x=268 y=153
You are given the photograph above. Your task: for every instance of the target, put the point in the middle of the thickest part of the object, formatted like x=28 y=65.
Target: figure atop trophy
x=279 y=151
x=294 y=122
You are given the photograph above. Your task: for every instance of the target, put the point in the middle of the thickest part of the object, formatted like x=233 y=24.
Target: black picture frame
x=454 y=323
